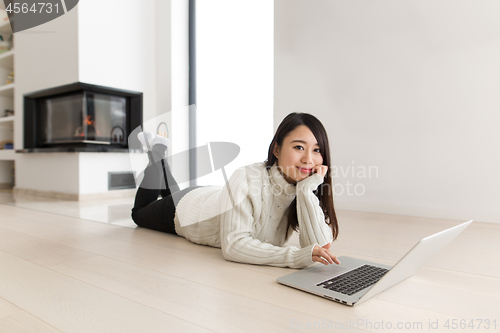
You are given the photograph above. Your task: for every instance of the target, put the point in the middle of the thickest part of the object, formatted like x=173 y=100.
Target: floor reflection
x=111 y=211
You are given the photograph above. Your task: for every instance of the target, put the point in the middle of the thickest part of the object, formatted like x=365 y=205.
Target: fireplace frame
x=134 y=111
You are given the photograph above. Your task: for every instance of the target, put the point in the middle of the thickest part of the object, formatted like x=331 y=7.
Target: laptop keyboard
x=353 y=281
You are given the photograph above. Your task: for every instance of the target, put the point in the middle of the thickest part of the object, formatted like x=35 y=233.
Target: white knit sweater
x=246 y=217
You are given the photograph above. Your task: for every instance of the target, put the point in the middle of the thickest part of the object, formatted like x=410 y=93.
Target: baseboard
x=25 y=192
x=458 y=214
x=115 y=194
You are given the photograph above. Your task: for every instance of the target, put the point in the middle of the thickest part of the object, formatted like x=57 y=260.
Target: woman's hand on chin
x=321 y=170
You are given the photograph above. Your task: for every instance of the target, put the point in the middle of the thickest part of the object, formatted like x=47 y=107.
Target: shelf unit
x=5 y=27
x=7 y=90
x=7 y=119
x=7 y=59
x=7 y=156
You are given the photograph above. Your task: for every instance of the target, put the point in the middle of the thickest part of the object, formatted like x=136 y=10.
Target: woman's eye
x=302 y=148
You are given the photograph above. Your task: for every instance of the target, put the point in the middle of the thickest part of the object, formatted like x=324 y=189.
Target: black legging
x=148 y=211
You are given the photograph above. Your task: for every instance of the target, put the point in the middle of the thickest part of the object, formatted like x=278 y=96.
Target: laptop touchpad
x=330 y=270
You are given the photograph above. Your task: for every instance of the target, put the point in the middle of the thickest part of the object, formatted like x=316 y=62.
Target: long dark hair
x=324 y=191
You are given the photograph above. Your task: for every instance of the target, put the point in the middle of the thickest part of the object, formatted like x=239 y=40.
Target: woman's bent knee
x=136 y=218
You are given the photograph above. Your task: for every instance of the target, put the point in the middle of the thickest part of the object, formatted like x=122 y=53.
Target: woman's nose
x=307 y=157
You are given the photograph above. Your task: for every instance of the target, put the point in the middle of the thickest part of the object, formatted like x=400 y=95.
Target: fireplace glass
x=82 y=117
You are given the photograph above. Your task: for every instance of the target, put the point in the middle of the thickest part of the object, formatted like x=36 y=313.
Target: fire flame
x=88 y=121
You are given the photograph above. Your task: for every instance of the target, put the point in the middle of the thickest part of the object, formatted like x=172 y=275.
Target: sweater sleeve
x=237 y=241
x=312 y=226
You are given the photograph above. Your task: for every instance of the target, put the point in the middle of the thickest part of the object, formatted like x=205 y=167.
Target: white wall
x=123 y=44
x=45 y=56
x=116 y=46
x=94 y=169
x=180 y=87
x=163 y=58
x=408 y=87
x=71 y=173
x=49 y=172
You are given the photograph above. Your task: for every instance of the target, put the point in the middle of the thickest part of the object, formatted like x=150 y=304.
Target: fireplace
x=80 y=117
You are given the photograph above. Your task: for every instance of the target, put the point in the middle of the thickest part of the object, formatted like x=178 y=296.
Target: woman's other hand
x=321 y=170
x=324 y=255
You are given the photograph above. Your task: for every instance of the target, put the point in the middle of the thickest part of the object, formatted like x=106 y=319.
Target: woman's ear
x=276 y=151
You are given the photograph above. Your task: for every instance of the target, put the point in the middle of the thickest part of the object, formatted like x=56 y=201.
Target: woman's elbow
x=227 y=253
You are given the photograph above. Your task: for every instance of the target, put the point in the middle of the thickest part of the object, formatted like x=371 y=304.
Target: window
x=234 y=78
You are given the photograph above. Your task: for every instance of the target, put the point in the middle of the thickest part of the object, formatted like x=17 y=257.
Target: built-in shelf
x=7 y=154
x=6 y=119
x=7 y=90
x=7 y=59
x=5 y=27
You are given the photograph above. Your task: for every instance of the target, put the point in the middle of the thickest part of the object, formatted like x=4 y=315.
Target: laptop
x=355 y=281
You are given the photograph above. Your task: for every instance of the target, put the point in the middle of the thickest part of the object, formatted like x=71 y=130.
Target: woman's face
x=298 y=154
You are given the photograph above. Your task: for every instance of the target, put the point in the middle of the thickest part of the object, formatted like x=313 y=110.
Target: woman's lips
x=305 y=170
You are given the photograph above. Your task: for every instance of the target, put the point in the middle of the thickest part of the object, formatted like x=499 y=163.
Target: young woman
x=252 y=216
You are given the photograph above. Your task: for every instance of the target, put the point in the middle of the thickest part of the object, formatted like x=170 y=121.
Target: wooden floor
x=64 y=274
